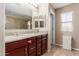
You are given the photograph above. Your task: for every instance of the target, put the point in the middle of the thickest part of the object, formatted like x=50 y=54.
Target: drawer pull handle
x=29 y=41
x=32 y=48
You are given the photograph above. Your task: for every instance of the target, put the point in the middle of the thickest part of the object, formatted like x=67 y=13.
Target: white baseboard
x=72 y=48
x=59 y=45
x=75 y=49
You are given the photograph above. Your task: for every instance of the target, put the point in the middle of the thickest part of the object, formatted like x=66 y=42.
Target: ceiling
x=18 y=9
x=59 y=5
x=25 y=9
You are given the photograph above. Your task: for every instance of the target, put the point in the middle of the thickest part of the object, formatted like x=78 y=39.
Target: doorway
x=52 y=30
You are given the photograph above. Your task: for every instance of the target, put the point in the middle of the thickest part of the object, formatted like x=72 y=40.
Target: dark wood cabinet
x=38 y=45
x=44 y=43
x=32 y=54
x=32 y=50
x=16 y=48
x=33 y=46
x=14 y=45
x=17 y=52
x=39 y=53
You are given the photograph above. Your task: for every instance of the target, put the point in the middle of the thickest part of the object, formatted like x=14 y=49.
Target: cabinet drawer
x=44 y=36
x=32 y=49
x=17 y=52
x=38 y=37
x=44 y=39
x=13 y=45
x=44 y=43
x=38 y=46
x=39 y=41
x=32 y=45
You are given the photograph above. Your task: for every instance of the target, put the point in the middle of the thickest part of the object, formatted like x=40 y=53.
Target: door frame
x=51 y=12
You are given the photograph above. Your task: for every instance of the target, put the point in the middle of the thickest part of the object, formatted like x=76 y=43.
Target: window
x=66 y=21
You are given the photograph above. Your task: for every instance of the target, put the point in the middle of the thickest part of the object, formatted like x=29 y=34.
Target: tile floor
x=59 y=51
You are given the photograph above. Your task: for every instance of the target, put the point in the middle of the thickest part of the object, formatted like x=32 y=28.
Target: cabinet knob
x=32 y=48
x=29 y=41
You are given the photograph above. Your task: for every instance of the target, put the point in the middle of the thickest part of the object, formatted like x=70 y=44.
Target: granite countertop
x=22 y=36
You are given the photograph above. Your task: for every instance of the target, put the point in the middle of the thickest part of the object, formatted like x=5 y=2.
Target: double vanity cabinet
x=32 y=46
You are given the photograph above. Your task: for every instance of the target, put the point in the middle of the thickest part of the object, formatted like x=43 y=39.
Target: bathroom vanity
x=23 y=31
x=34 y=45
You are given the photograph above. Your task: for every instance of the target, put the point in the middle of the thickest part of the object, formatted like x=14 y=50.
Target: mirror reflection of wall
x=28 y=24
x=17 y=23
x=18 y=16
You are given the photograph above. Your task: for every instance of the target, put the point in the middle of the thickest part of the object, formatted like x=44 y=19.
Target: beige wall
x=75 y=34
x=16 y=23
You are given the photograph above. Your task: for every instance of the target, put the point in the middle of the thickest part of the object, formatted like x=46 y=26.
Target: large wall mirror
x=18 y=16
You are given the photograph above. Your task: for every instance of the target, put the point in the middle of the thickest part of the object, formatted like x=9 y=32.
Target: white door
x=52 y=37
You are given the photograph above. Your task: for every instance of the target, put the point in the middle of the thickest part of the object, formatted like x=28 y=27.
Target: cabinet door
x=14 y=45
x=39 y=52
x=38 y=45
x=32 y=50
x=38 y=49
x=31 y=46
x=44 y=44
x=17 y=52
